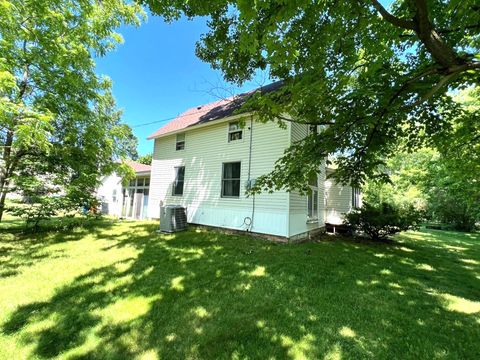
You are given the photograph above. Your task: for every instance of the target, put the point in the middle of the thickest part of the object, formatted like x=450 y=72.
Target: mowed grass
x=120 y=290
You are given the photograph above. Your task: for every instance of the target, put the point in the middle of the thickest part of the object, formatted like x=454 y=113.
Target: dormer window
x=235 y=132
x=180 y=143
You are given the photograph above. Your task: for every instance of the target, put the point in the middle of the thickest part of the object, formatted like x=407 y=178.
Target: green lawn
x=119 y=290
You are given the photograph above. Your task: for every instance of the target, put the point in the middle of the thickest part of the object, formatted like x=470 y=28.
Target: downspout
x=249 y=183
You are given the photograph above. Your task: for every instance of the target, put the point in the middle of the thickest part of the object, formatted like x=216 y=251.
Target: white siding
x=206 y=148
x=105 y=191
x=298 y=203
x=338 y=200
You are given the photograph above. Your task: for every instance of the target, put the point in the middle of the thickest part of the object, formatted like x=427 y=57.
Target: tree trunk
x=3 y=196
x=443 y=54
x=6 y=171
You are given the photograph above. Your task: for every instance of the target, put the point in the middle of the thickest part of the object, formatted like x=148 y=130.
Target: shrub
x=40 y=208
x=382 y=220
x=43 y=209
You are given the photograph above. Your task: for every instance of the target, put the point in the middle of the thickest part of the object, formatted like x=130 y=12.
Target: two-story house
x=205 y=159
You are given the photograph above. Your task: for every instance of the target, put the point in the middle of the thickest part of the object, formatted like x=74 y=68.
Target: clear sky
x=156 y=74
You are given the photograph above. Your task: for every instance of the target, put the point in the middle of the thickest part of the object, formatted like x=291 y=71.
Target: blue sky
x=156 y=74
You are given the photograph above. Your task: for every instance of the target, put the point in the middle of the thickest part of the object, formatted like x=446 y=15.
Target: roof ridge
x=214 y=110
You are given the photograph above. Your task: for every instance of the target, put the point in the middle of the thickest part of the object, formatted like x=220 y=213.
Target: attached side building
x=206 y=158
x=129 y=201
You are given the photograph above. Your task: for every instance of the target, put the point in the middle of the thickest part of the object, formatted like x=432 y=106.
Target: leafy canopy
x=145 y=159
x=443 y=183
x=373 y=75
x=57 y=116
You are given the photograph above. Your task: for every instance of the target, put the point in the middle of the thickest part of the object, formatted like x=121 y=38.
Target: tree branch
x=443 y=54
x=304 y=122
x=392 y=19
x=443 y=81
x=452 y=73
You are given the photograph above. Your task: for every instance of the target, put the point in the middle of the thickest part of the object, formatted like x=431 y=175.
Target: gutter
x=198 y=126
x=249 y=180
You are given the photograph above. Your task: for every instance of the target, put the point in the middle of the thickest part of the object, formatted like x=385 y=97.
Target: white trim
x=240 y=130
x=198 y=126
x=184 y=141
x=239 y=179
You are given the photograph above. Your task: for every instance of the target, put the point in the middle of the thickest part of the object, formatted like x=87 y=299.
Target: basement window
x=235 y=132
x=180 y=143
x=231 y=179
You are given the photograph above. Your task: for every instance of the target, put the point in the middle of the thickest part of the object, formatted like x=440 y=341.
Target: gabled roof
x=209 y=112
x=138 y=167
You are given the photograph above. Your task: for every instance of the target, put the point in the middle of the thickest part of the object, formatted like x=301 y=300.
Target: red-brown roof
x=209 y=112
x=138 y=167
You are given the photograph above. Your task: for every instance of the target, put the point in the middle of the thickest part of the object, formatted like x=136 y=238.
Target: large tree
x=373 y=72
x=444 y=183
x=57 y=115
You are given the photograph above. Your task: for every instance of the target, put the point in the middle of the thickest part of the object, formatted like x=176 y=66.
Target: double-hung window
x=231 y=179
x=312 y=129
x=355 y=197
x=312 y=199
x=235 y=132
x=180 y=142
x=177 y=187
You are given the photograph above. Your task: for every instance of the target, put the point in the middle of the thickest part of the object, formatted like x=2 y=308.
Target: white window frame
x=238 y=130
x=180 y=142
x=356 y=199
x=175 y=181
x=312 y=199
x=231 y=179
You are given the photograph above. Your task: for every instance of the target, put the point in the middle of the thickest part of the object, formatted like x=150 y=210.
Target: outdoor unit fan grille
x=173 y=218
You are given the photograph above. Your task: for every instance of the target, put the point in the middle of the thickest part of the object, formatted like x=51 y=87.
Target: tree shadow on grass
x=207 y=295
x=22 y=250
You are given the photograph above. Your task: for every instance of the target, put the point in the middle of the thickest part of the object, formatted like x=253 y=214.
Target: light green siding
x=206 y=149
x=338 y=200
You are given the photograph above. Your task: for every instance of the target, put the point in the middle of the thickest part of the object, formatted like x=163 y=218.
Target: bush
x=42 y=208
x=382 y=220
x=458 y=210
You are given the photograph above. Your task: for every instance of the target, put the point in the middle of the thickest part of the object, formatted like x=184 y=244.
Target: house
x=129 y=201
x=206 y=158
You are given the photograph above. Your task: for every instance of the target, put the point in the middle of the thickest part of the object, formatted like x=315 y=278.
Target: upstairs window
x=180 y=143
x=356 y=197
x=312 y=129
x=312 y=199
x=231 y=179
x=177 y=187
x=235 y=132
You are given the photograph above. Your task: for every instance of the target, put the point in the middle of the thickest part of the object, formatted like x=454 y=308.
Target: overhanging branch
x=392 y=19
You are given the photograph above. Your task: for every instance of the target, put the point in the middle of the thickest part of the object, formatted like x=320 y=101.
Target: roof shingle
x=138 y=167
x=210 y=112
